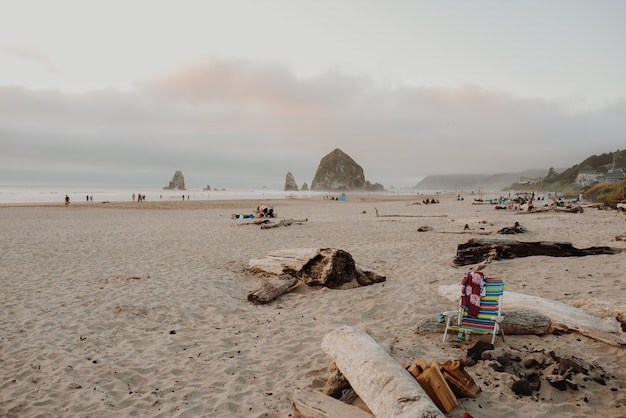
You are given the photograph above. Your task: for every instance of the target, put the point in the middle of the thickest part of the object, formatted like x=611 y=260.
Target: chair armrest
x=498 y=319
x=450 y=313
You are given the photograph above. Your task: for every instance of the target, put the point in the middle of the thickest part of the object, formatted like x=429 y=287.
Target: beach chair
x=486 y=316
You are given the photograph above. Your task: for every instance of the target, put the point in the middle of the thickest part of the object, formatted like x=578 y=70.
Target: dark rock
x=290 y=183
x=305 y=187
x=599 y=379
x=497 y=367
x=522 y=387
x=177 y=183
x=476 y=351
x=569 y=365
x=571 y=385
x=530 y=363
x=535 y=381
x=557 y=381
x=338 y=171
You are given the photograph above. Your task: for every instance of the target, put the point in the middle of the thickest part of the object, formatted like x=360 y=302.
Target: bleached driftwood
x=284 y=222
x=282 y=261
x=272 y=289
x=257 y=221
x=467 y=231
x=562 y=316
x=386 y=388
x=314 y=404
x=408 y=216
x=329 y=267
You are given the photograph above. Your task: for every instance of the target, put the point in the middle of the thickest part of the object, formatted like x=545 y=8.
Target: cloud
x=232 y=123
x=32 y=55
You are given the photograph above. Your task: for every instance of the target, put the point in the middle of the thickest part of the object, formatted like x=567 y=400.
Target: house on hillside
x=615 y=176
x=587 y=178
x=528 y=181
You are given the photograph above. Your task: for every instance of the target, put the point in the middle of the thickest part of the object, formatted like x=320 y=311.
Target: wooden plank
x=313 y=404
x=386 y=388
x=434 y=384
x=459 y=380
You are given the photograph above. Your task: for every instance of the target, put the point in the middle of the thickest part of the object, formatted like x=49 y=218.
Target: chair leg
x=445 y=334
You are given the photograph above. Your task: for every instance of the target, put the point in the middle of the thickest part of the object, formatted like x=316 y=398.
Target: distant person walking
x=67 y=200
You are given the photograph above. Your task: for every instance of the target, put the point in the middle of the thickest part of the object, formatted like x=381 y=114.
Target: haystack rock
x=290 y=183
x=305 y=187
x=177 y=183
x=338 y=171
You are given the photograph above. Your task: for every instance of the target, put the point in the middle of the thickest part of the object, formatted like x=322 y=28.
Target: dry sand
x=128 y=309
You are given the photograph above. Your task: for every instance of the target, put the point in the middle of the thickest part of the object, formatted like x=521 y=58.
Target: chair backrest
x=490 y=307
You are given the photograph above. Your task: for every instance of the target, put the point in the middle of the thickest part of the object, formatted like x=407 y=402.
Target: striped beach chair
x=488 y=319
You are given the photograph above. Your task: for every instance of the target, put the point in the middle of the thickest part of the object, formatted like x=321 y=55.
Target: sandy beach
x=139 y=309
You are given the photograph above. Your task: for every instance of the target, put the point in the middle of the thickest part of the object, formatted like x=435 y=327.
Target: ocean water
x=56 y=194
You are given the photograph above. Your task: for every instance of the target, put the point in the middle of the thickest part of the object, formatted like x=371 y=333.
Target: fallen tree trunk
x=284 y=222
x=272 y=289
x=255 y=222
x=467 y=231
x=479 y=250
x=562 y=316
x=386 y=388
x=409 y=216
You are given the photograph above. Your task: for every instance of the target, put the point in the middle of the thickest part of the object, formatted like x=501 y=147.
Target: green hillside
x=567 y=182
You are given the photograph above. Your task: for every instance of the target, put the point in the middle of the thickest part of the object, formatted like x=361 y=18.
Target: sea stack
x=290 y=183
x=338 y=171
x=177 y=183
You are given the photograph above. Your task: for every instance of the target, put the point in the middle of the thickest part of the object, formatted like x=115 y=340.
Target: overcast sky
x=238 y=93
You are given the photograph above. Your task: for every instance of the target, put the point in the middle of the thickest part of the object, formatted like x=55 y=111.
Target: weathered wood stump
x=480 y=250
x=330 y=267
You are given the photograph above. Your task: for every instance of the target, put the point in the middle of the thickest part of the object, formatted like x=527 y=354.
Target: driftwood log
x=313 y=404
x=329 y=267
x=480 y=250
x=284 y=222
x=517 y=322
x=562 y=316
x=272 y=289
x=386 y=388
x=408 y=216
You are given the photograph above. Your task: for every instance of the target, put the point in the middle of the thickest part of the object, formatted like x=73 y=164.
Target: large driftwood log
x=518 y=322
x=562 y=316
x=386 y=388
x=272 y=289
x=328 y=267
x=313 y=404
x=479 y=250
